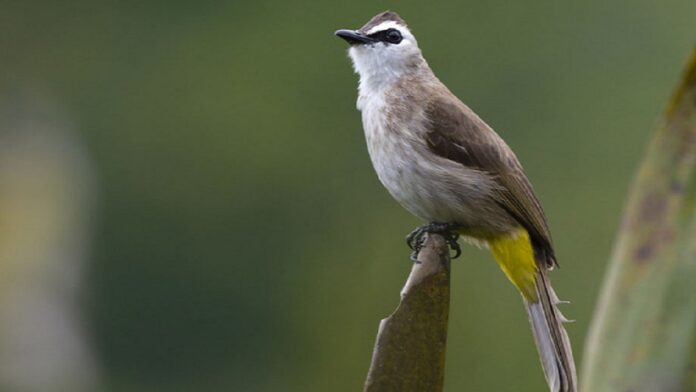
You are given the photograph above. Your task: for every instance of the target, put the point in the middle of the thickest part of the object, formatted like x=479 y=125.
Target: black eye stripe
x=391 y=36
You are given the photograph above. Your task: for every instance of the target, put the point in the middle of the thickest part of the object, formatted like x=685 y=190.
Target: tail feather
x=526 y=269
x=551 y=338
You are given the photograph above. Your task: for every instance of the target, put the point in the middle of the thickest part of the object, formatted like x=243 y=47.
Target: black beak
x=354 y=37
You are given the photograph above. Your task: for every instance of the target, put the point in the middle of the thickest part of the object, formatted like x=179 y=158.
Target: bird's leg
x=416 y=238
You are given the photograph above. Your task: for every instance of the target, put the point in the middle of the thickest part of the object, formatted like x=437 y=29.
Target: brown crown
x=383 y=17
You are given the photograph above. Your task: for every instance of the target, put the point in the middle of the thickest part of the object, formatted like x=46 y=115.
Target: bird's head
x=383 y=49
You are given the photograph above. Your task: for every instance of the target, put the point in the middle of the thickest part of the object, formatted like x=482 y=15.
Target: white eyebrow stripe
x=390 y=24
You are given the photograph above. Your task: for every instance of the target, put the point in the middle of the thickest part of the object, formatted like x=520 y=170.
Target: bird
x=446 y=166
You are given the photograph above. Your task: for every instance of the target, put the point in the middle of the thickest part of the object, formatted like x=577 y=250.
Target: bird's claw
x=416 y=238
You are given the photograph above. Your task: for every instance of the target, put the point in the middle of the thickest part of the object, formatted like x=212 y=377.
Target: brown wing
x=455 y=132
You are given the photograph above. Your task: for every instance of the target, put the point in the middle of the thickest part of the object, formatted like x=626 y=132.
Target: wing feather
x=456 y=133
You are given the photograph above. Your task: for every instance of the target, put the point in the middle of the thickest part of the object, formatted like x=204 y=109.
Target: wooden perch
x=643 y=335
x=409 y=353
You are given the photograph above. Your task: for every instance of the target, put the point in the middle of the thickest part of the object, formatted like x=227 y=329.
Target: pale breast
x=430 y=187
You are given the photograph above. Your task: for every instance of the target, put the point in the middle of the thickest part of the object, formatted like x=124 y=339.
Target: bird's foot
x=416 y=238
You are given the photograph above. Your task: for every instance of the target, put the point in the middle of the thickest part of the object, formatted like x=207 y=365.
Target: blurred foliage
x=243 y=242
x=46 y=196
x=642 y=334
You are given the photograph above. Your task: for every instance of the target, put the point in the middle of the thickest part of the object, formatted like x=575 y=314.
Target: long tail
x=517 y=259
x=551 y=338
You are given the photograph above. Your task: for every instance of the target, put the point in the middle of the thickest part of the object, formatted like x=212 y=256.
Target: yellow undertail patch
x=515 y=256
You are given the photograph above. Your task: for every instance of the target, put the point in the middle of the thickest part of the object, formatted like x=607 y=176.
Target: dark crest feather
x=383 y=17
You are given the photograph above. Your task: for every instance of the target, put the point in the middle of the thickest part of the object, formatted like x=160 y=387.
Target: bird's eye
x=393 y=36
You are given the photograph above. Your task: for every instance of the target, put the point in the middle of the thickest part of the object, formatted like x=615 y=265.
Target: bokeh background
x=187 y=204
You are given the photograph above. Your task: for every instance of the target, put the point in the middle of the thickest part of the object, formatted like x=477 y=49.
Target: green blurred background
x=194 y=176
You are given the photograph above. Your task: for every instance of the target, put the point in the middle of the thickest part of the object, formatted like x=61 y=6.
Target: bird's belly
x=436 y=189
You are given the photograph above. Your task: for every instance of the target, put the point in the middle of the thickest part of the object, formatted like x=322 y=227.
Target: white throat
x=382 y=64
x=377 y=73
